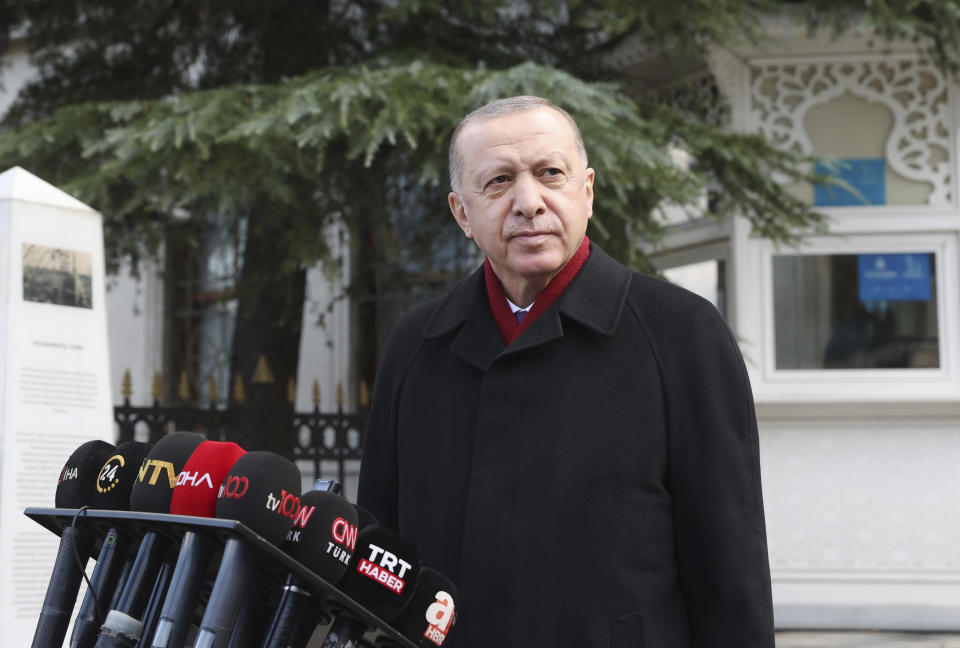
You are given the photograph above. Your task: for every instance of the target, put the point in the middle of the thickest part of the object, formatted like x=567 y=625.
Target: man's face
x=525 y=197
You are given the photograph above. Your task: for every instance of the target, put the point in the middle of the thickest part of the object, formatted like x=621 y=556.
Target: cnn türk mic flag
x=111 y=492
x=74 y=490
x=324 y=534
x=195 y=494
x=382 y=577
x=262 y=490
x=322 y=539
x=151 y=493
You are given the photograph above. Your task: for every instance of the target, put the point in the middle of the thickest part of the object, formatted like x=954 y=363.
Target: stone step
x=866 y=640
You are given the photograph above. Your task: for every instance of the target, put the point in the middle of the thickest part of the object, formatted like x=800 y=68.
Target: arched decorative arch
x=919 y=146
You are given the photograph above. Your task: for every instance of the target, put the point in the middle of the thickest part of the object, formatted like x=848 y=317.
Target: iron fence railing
x=325 y=445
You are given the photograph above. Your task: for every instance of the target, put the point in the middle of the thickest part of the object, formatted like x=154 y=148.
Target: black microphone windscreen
x=262 y=490
x=429 y=618
x=324 y=534
x=76 y=484
x=365 y=518
x=117 y=475
x=383 y=572
x=158 y=472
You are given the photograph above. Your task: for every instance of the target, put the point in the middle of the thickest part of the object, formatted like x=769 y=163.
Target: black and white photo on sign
x=57 y=276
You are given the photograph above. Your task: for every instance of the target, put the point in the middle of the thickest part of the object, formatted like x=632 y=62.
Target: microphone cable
x=83 y=567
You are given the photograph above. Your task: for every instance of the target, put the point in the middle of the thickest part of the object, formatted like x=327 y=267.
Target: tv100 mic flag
x=151 y=493
x=111 y=492
x=74 y=490
x=261 y=491
x=322 y=539
x=194 y=494
x=382 y=577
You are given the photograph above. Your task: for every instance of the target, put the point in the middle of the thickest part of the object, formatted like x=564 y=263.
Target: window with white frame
x=864 y=311
x=859 y=316
x=855 y=311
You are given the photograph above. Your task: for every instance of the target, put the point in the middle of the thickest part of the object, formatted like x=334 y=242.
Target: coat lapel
x=545 y=328
x=478 y=341
x=596 y=296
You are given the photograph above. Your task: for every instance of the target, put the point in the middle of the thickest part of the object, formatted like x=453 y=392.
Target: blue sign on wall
x=866 y=175
x=894 y=277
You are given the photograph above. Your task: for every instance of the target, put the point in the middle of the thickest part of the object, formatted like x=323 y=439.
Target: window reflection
x=849 y=311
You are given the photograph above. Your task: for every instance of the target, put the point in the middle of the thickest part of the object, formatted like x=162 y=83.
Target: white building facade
x=851 y=339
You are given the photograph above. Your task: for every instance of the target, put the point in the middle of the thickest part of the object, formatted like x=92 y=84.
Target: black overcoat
x=593 y=484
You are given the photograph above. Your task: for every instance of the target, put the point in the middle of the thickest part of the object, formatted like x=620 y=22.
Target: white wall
x=863 y=521
x=135 y=329
x=15 y=71
x=325 y=347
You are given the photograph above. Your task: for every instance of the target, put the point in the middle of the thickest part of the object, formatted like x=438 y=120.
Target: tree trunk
x=269 y=317
x=369 y=227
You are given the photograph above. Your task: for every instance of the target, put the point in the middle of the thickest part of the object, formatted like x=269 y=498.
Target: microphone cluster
x=200 y=543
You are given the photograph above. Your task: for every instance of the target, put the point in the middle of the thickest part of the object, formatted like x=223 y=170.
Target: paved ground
x=866 y=640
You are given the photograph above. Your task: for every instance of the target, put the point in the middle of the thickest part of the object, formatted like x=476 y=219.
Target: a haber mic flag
x=428 y=619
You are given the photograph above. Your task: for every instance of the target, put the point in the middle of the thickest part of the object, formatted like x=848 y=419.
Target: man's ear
x=588 y=187
x=459 y=212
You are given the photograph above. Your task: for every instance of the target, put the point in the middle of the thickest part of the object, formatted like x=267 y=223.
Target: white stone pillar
x=54 y=374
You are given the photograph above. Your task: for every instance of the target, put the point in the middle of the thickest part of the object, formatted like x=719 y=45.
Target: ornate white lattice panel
x=916 y=92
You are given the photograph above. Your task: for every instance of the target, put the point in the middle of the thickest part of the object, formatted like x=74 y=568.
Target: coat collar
x=594 y=299
x=596 y=296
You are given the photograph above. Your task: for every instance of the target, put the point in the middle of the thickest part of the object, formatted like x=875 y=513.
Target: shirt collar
x=515 y=309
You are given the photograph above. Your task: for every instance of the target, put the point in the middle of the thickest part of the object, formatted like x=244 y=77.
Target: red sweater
x=505 y=319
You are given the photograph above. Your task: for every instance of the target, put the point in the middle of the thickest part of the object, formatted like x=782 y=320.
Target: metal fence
x=325 y=445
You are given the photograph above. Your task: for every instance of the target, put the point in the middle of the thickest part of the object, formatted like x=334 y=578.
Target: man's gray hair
x=498 y=108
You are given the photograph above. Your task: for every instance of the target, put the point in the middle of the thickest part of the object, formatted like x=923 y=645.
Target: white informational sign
x=54 y=374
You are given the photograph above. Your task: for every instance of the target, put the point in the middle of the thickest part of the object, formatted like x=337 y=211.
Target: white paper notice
x=54 y=374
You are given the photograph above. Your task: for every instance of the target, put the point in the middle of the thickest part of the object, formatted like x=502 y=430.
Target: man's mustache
x=528 y=227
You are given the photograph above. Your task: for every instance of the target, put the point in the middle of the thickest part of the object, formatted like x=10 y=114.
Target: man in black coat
x=572 y=443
